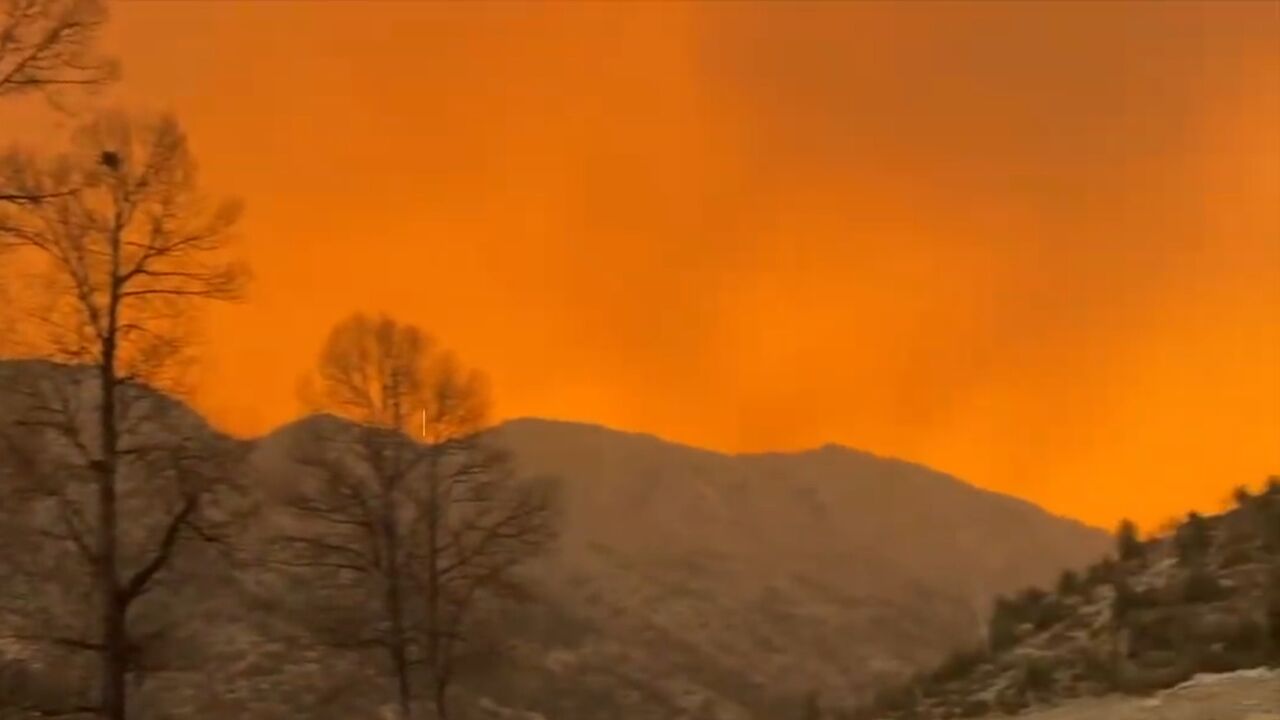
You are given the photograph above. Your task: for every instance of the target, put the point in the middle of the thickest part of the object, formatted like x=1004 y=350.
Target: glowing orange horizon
x=1036 y=246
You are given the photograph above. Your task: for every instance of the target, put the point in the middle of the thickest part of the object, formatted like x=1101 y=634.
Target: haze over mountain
x=743 y=582
x=882 y=521
x=932 y=230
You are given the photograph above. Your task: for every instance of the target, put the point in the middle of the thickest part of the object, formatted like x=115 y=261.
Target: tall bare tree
x=47 y=46
x=128 y=257
x=409 y=518
x=481 y=523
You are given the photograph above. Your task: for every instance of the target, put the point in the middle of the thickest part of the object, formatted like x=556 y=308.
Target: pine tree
x=1128 y=545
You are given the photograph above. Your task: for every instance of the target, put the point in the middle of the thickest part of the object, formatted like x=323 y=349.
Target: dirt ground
x=1245 y=695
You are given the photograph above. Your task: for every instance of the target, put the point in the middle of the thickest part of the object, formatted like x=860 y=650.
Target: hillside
x=686 y=583
x=689 y=581
x=1202 y=598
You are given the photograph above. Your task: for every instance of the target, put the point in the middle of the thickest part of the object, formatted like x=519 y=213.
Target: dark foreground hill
x=1202 y=598
x=686 y=584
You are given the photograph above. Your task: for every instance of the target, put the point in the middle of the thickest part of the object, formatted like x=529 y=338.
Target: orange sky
x=1036 y=245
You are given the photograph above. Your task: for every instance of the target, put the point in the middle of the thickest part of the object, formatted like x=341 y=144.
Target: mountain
x=772 y=576
x=1202 y=598
x=686 y=583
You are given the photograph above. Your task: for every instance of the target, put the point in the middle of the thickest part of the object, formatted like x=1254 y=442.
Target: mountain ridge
x=530 y=422
x=834 y=448
x=698 y=584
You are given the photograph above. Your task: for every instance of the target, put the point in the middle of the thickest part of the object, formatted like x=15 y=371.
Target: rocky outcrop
x=1204 y=598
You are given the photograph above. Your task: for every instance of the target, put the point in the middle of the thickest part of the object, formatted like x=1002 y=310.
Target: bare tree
x=407 y=519
x=129 y=475
x=47 y=46
x=51 y=44
x=481 y=523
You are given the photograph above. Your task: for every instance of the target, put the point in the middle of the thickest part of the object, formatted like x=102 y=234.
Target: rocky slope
x=1204 y=597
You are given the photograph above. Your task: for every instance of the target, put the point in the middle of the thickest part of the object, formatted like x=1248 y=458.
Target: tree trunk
x=400 y=665
x=114 y=663
x=442 y=696
x=114 y=632
x=114 y=658
x=395 y=603
x=433 y=571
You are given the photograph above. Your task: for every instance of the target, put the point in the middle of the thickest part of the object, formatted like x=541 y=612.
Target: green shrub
x=1202 y=587
x=959 y=664
x=1002 y=630
x=1242 y=496
x=1100 y=573
x=1099 y=668
x=1068 y=583
x=1272 y=611
x=1267 y=521
x=1145 y=680
x=1158 y=634
x=1030 y=598
x=1037 y=675
x=1011 y=701
x=1221 y=660
x=1049 y=613
x=974 y=707
x=1238 y=556
x=895 y=699
x=1248 y=641
x=1128 y=545
x=1128 y=600
x=1193 y=539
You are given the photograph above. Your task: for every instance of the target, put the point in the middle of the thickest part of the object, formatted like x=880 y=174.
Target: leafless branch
x=45 y=44
x=91 y=710
x=56 y=641
x=33 y=198
x=138 y=582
